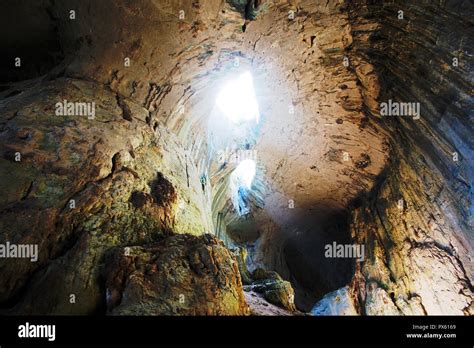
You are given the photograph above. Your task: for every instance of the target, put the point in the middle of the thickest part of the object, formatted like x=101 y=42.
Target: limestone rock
x=259 y=306
x=333 y=166
x=417 y=222
x=274 y=289
x=339 y=302
x=83 y=186
x=181 y=275
x=241 y=256
x=378 y=302
x=415 y=264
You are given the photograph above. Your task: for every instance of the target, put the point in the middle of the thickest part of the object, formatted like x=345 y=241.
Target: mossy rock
x=241 y=256
x=260 y=274
x=281 y=293
x=275 y=290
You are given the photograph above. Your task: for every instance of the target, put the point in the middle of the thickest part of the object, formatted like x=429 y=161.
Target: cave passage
x=239 y=157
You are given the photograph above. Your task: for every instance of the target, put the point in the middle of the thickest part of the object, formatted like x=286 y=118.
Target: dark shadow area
x=311 y=273
x=28 y=31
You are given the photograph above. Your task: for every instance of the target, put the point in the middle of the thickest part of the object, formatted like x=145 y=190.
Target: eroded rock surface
x=259 y=306
x=274 y=289
x=181 y=275
x=413 y=263
x=81 y=186
x=417 y=223
x=330 y=168
x=265 y=289
x=339 y=302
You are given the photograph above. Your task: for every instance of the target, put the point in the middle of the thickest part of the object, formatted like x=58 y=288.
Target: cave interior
x=235 y=157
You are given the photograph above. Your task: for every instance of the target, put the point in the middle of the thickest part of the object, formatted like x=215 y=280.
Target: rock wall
x=84 y=189
x=417 y=261
x=78 y=186
x=182 y=275
x=417 y=224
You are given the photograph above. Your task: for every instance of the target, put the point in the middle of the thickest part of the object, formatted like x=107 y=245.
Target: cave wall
x=28 y=32
x=312 y=105
x=80 y=186
x=417 y=224
x=140 y=161
x=184 y=275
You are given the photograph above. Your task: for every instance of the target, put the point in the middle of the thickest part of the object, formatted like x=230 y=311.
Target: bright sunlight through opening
x=244 y=173
x=241 y=182
x=237 y=100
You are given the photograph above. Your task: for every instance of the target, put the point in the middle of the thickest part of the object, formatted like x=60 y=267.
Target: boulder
x=339 y=302
x=274 y=289
x=181 y=275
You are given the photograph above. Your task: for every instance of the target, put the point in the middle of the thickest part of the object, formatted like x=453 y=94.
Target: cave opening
x=241 y=184
x=237 y=99
x=307 y=231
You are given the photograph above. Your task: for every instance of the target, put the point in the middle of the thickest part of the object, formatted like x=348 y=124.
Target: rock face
x=82 y=186
x=274 y=289
x=181 y=275
x=144 y=172
x=259 y=306
x=414 y=264
x=339 y=302
x=313 y=141
x=417 y=223
x=265 y=289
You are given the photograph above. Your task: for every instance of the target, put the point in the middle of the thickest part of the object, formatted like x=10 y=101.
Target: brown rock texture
x=259 y=306
x=265 y=289
x=273 y=288
x=416 y=256
x=81 y=187
x=119 y=203
x=417 y=223
x=181 y=275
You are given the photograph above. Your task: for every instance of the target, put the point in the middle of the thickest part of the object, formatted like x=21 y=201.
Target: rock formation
x=417 y=222
x=183 y=275
x=117 y=164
